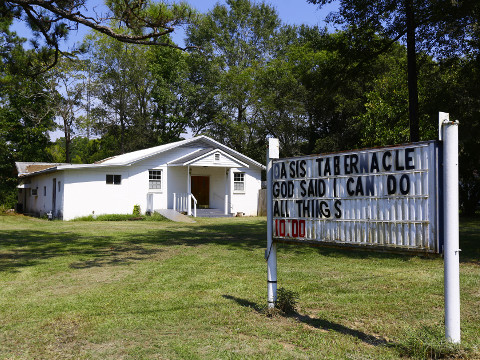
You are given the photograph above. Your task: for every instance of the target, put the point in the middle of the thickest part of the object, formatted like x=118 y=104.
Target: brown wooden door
x=201 y=190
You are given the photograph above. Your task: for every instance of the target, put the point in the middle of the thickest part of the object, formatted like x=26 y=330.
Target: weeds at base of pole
x=286 y=303
x=430 y=343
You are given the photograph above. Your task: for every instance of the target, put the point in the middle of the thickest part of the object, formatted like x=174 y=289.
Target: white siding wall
x=41 y=204
x=86 y=191
x=177 y=182
x=247 y=202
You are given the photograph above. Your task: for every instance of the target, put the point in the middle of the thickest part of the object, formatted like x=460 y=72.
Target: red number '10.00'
x=290 y=228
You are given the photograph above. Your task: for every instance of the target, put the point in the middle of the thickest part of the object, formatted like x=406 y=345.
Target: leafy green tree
x=70 y=81
x=281 y=96
x=26 y=114
x=460 y=96
x=385 y=119
x=122 y=86
x=236 y=39
x=335 y=82
x=172 y=111
x=439 y=28
x=83 y=150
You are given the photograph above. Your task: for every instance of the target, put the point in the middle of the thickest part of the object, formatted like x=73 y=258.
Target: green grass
x=165 y=290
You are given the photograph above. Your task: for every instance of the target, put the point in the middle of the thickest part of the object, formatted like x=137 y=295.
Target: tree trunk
x=412 y=73
x=67 y=150
x=68 y=140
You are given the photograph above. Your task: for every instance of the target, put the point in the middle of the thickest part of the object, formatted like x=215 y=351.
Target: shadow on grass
x=22 y=248
x=470 y=240
x=321 y=324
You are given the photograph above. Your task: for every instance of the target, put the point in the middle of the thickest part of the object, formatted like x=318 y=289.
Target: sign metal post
x=271 y=252
x=451 y=228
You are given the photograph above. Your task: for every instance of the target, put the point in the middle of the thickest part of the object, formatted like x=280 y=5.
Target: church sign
x=383 y=198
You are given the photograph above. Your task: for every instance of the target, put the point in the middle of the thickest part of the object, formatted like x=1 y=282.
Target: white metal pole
x=189 y=192
x=226 y=192
x=271 y=252
x=451 y=229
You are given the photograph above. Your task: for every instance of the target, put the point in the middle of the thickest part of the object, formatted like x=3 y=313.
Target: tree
x=440 y=28
x=70 y=82
x=460 y=96
x=172 y=93
x=385 y=119
x=149 y=22
x=141 y=94
x=335 y=80
x=237 y=39
x=26 y=113
x=121 y=86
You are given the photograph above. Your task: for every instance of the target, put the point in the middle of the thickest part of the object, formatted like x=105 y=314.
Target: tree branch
x=150 y=38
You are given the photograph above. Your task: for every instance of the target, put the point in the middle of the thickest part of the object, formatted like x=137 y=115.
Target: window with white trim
x=238 y=182
x=155 y=179
x=217 y=156
x=113 y=179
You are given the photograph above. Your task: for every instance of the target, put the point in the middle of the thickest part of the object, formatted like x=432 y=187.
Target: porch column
x=189 y=191
x=227 y=187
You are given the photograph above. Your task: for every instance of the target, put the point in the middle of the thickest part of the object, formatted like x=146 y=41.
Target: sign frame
x=423 y=234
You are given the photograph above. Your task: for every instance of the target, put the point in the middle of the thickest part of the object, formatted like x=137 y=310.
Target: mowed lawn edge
x=164 y=290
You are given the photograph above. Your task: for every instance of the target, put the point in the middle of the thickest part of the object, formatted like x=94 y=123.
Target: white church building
x=185 y=175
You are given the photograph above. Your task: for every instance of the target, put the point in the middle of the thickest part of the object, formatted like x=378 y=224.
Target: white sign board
x=382 y=198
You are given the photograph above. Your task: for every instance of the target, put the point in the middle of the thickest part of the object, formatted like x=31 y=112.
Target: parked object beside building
x=194 y=173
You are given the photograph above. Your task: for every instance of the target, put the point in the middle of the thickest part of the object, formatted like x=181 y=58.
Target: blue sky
x=294 y=12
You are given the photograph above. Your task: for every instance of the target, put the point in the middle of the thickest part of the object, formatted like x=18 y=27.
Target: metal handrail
x=194 y=205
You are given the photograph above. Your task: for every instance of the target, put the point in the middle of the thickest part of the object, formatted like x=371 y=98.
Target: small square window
x=155 y=179
x=239 y=182
x=114 y=179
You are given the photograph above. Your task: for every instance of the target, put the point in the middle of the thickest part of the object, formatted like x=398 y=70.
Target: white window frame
x=239 y=182
x=157 y=180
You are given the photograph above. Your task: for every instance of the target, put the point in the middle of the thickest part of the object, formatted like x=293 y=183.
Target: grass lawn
x=164 y=290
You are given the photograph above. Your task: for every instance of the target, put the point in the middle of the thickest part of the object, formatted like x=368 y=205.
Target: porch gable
x=209 y=157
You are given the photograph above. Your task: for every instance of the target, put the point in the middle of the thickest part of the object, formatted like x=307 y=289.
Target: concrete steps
x=212 y=213
x=175 y=215
x=178 y=217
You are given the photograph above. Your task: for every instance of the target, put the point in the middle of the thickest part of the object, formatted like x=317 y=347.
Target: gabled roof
x=196 y=156
x=204 y=141
x=131 y=158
